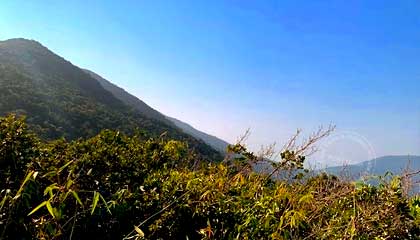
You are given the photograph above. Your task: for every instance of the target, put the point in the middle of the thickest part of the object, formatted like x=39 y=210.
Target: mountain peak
x=21 y=42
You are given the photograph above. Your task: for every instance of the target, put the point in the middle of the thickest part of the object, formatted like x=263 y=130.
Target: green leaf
x=69 y=183
x=50 y=189
x=306 y=198
x=65 y=165
x=38 y=207
x=3 y=201
x=63 y=198
x=105 y=203
x=57 y=213
x=95 y=202
x=359 y=184
x=76 y=196
x=27 y=178
x=50 y=209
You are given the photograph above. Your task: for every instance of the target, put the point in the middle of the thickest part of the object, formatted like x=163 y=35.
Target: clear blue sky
x=272 y=66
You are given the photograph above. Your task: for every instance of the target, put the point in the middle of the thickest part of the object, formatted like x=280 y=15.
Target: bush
x=113 y=186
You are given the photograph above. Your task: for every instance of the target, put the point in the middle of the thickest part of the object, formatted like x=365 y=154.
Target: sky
x=270 y=66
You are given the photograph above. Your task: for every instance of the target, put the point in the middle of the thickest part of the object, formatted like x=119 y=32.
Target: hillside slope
x=61 y=100
x=138 y=104
x=128 y=99
x=213 y=141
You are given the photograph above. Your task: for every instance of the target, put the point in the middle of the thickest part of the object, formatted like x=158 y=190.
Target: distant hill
x=375 y=167
x=138 y=104
x=379 y=166
x=213 y=141
x=61 y=100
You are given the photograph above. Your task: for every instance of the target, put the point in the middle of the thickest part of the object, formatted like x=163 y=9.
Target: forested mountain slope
x=213 y=141
x=61 y=100
x=129 y=99
x=141 y=106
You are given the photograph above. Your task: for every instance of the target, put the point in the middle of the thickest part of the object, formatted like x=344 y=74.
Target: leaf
x=38 y=207
x=4 y=201
x=65 y=165
x=57 y=213
x=139 y=232
x=76 y=196
x=95 y=202
x=306 y=198
x=69 y=183
x=50 y=189
x=105 y=203
x=395 y=183
x=63 y=198
x=50 y=209
x=28 y=176
x=205 y=194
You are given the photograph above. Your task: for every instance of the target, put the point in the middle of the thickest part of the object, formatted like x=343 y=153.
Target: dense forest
x=115 y=186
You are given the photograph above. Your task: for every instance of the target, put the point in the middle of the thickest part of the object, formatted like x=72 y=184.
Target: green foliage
x=113 y=186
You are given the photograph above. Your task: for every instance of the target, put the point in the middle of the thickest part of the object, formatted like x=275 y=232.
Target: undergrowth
x=113 y=186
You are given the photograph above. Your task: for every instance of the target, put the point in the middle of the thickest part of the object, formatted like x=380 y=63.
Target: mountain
x=213 y=141
x=62 y=100
x=129 y=99
x=138 y=104
x=374 y=167
x=380 y=166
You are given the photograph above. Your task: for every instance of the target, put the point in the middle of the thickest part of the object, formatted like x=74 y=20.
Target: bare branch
x=242 y=139
x=306 y=148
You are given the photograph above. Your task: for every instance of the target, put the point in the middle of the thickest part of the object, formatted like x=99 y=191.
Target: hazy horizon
x=229 y=66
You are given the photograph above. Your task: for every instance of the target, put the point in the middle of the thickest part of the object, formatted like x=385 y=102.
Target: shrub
x=114 y=186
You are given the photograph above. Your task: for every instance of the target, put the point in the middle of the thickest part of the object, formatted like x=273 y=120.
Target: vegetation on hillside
x=142 y=107
x=114 y=186
x=61 y=100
